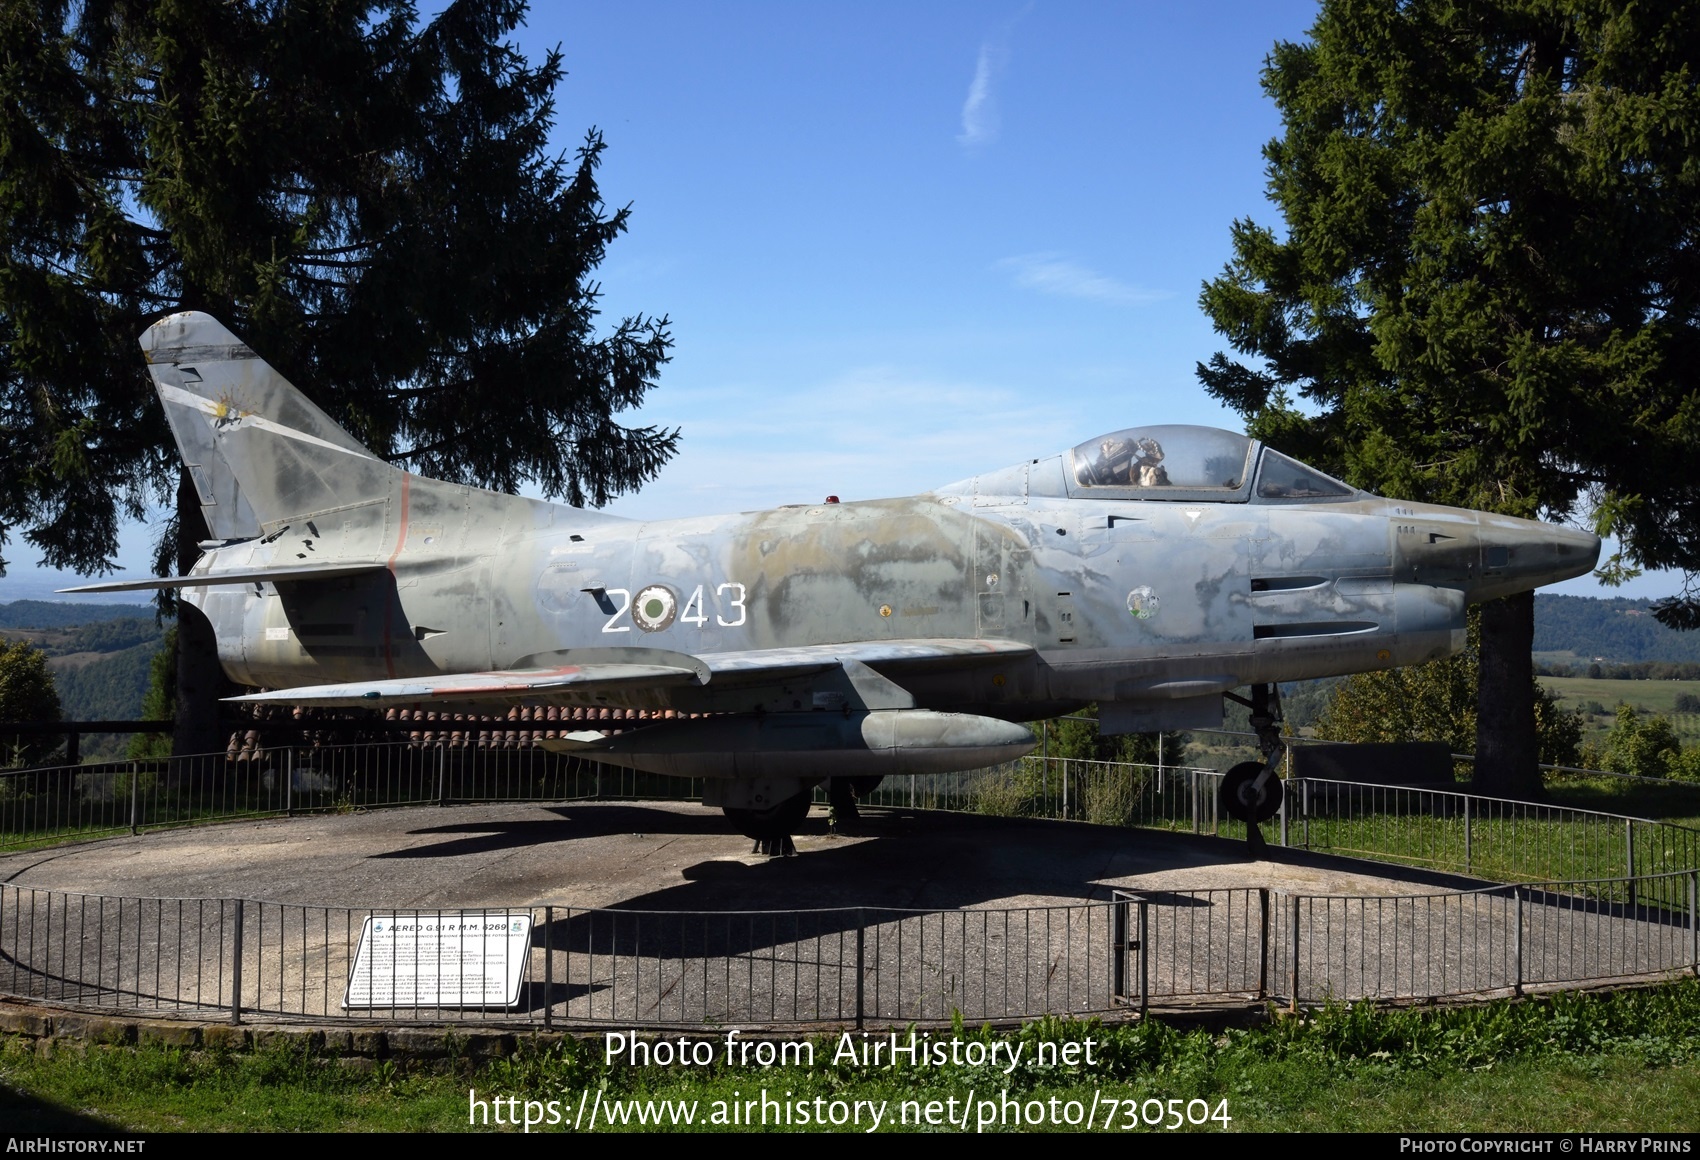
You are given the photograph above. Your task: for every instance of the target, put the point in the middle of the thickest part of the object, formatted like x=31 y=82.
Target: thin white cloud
x=979 y=109
x=1054 y=274
x=980 y=123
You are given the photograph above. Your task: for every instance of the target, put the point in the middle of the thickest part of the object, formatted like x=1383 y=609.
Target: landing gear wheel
x=772 y=827
x=865 y=786
x=841 y=793
x=1240 y=800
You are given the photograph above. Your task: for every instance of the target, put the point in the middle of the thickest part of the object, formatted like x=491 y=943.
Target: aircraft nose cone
x=1518 y=555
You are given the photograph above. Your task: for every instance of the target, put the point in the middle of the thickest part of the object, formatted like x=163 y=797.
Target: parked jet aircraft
x=1152 y=570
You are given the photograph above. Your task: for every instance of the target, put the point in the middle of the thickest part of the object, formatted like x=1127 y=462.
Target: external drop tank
x=865 y=743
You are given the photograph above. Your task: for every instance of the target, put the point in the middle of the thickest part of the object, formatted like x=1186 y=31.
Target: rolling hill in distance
x=1617 y=631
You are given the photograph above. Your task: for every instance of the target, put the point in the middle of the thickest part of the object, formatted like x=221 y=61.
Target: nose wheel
x=1248 y=795
x=1251 y=791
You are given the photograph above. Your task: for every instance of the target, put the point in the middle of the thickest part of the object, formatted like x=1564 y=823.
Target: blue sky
x=901 y=244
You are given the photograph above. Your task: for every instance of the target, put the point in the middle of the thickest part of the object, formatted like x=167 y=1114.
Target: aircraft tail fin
x=257 y=449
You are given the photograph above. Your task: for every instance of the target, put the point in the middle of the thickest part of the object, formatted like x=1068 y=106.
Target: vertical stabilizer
x=257 y=449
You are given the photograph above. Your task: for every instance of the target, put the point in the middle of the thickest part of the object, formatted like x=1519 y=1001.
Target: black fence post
x=1693 y=927
x=1304 y=809
x=861 y=968
x=236 y=969
x=1263 y=942
x=548 y=967
x=1295 y=951
x=1144 y=957
x=1517 y=931
x=1119 y=943
x=1629 y=861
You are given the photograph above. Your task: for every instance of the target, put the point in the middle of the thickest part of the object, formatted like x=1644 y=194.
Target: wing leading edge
x=275 y=575
x=577 y=676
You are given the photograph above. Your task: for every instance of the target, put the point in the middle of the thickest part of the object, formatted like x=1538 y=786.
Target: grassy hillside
x=107 y=688
x=99 y=655
x=1583 y=629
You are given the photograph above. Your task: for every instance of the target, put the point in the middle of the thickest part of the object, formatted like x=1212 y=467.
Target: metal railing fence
x=241 y=959
x=47 y=805
x=1488 y=838
x=1589 y=896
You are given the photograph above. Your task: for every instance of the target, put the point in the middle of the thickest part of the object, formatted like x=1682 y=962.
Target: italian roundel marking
x=1143 y=603
x=655 y=608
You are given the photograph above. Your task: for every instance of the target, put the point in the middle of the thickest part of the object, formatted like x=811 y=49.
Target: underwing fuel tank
x=815 y=744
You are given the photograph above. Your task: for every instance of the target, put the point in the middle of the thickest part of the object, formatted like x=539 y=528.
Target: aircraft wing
x=895 y=654
x=576 y=675
x=504 y=685
x=247 y=576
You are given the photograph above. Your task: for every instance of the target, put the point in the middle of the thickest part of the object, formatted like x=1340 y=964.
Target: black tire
x=841 y=793
x=1238 y=800
x=778 y=821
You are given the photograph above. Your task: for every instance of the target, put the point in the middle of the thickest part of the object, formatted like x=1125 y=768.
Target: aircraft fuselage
x=1162 y=603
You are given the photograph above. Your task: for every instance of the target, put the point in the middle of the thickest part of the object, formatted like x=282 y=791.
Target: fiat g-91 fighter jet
x=1152 y=570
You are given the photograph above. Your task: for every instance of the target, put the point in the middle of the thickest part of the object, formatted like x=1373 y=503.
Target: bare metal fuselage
x=1228 y=594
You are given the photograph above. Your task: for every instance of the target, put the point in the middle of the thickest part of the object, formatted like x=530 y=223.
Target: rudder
x=257 y=449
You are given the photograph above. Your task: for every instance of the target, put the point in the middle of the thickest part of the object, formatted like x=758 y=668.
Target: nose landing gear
x=1251 y=791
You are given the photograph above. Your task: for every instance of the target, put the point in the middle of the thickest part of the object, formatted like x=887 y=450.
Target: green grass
x=1647 y=696
x=1677 y=802
x=1505 y=842
x=1628 y=1061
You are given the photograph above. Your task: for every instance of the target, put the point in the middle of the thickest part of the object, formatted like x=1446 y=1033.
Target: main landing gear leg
x=841 y=795
x=1251 y=791
x=772 y=828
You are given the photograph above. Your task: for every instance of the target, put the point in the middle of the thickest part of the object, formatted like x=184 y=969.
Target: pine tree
x=1487 y=292
x=373 y=204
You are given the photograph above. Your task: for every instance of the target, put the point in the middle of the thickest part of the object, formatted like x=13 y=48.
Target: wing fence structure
x=1569 y=897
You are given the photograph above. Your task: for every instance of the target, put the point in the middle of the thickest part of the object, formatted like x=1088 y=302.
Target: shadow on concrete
x=574 y=825
x=899 y=863
x=538 y=996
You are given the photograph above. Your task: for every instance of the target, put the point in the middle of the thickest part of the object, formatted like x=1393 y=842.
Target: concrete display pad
x=652 y=914
x=673 y=856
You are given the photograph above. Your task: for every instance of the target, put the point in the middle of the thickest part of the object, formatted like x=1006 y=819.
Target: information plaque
x=440 y=958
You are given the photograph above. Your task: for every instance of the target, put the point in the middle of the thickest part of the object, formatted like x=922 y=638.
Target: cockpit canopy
x=1172 y=462
x=1149 y=457
x=1199 y=463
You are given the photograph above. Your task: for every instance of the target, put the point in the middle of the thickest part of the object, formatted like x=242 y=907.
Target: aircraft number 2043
x=656 y=607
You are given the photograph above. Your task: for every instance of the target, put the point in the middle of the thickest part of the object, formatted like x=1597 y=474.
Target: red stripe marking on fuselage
x=389 y=605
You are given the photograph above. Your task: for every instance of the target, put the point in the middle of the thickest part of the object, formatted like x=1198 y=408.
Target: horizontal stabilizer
x=251 y=576
x=501 y=685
